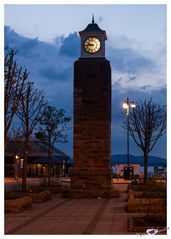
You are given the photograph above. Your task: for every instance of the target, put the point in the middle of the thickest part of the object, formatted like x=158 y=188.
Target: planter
x=134 y=194
x=38 y=197
x=141 y=224
x=18 y=204
x=146 y=205
x=151 y=194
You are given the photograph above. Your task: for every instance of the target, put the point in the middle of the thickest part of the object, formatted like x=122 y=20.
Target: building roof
x=54 y=160
x=93 y=28
x=126 y=165
x=36 y=149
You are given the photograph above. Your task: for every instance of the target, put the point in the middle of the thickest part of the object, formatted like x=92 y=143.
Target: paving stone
x=62 y=216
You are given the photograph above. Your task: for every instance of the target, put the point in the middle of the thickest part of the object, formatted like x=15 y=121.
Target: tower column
x=92 y=174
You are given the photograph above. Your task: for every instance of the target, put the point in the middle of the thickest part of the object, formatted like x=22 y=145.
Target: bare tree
x=147 y=123
x=15 y=78
x=15 y=139
x=52 y=130
x=30 y=111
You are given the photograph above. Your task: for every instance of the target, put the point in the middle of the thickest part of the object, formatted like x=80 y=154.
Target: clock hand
x=89 y=44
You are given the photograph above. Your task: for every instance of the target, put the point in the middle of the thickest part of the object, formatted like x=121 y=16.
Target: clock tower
x=91 y=173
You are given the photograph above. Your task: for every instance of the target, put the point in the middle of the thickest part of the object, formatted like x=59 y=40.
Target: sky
x=47 y=43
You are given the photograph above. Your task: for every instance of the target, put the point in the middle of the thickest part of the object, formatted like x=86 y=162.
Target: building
x=92 y=173
x=120 y=170
x=160 y=172
x=37 y=164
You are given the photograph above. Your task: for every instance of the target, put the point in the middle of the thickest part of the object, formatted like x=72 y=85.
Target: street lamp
x=127 y=105
x=16 y=161
x=17 y=157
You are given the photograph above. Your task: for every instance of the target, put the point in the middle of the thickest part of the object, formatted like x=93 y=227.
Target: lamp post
x=127 y=105
x=63 y=168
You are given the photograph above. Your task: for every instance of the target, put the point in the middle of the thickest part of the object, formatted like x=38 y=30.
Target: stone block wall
x=92 y=125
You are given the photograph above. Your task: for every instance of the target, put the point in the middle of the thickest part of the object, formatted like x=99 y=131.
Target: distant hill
x=122 y=158
x=152 y=160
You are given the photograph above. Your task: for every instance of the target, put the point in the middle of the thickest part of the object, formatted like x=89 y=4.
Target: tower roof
x=93 y=28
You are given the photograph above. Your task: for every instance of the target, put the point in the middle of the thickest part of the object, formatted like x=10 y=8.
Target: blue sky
x=47 y=41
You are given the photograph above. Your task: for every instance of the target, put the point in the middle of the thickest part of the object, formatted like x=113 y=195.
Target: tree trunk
x=24 y=173
x=5 y=138
x=49 y=170
x=49 y=165
x=15 y=167
x=145 y=167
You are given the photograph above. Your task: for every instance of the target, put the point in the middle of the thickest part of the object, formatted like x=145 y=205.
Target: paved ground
x=72 y=216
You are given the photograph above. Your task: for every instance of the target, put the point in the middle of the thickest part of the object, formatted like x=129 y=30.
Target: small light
x=17 y=157
x=125 y=105
x=133 y=105
x=21 y=163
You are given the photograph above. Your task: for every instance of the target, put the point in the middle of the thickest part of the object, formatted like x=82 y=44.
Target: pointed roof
x=93 y=28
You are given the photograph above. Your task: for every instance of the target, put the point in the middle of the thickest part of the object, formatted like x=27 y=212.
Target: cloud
x=24 y=46
x=70 y=45
x=53 y=73
x=136 y=68
x=128 y=60
x=123 y=42
x=47 y=67
x=51 y=64
x=132 y=69
x=146 y=81
x=131 y=66
x=136 y=74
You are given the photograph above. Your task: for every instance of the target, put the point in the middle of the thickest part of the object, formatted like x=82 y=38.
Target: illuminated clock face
x=92 y=45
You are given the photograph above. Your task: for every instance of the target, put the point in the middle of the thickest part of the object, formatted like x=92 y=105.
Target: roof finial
x=93 y=19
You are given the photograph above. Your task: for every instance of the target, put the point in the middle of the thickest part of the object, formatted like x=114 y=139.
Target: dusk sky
x=47 y=43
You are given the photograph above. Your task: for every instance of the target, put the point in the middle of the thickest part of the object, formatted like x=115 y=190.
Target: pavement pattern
x=72 y=216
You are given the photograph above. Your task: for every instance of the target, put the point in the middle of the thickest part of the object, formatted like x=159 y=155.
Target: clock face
x=92 y=45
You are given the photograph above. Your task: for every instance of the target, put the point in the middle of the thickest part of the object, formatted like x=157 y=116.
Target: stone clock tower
x=91 y=173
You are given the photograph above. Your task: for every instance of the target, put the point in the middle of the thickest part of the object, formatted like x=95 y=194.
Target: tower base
x=91 y=182
x=87 y=193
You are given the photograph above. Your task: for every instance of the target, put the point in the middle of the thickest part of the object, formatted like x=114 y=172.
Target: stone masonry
x=91 y=174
